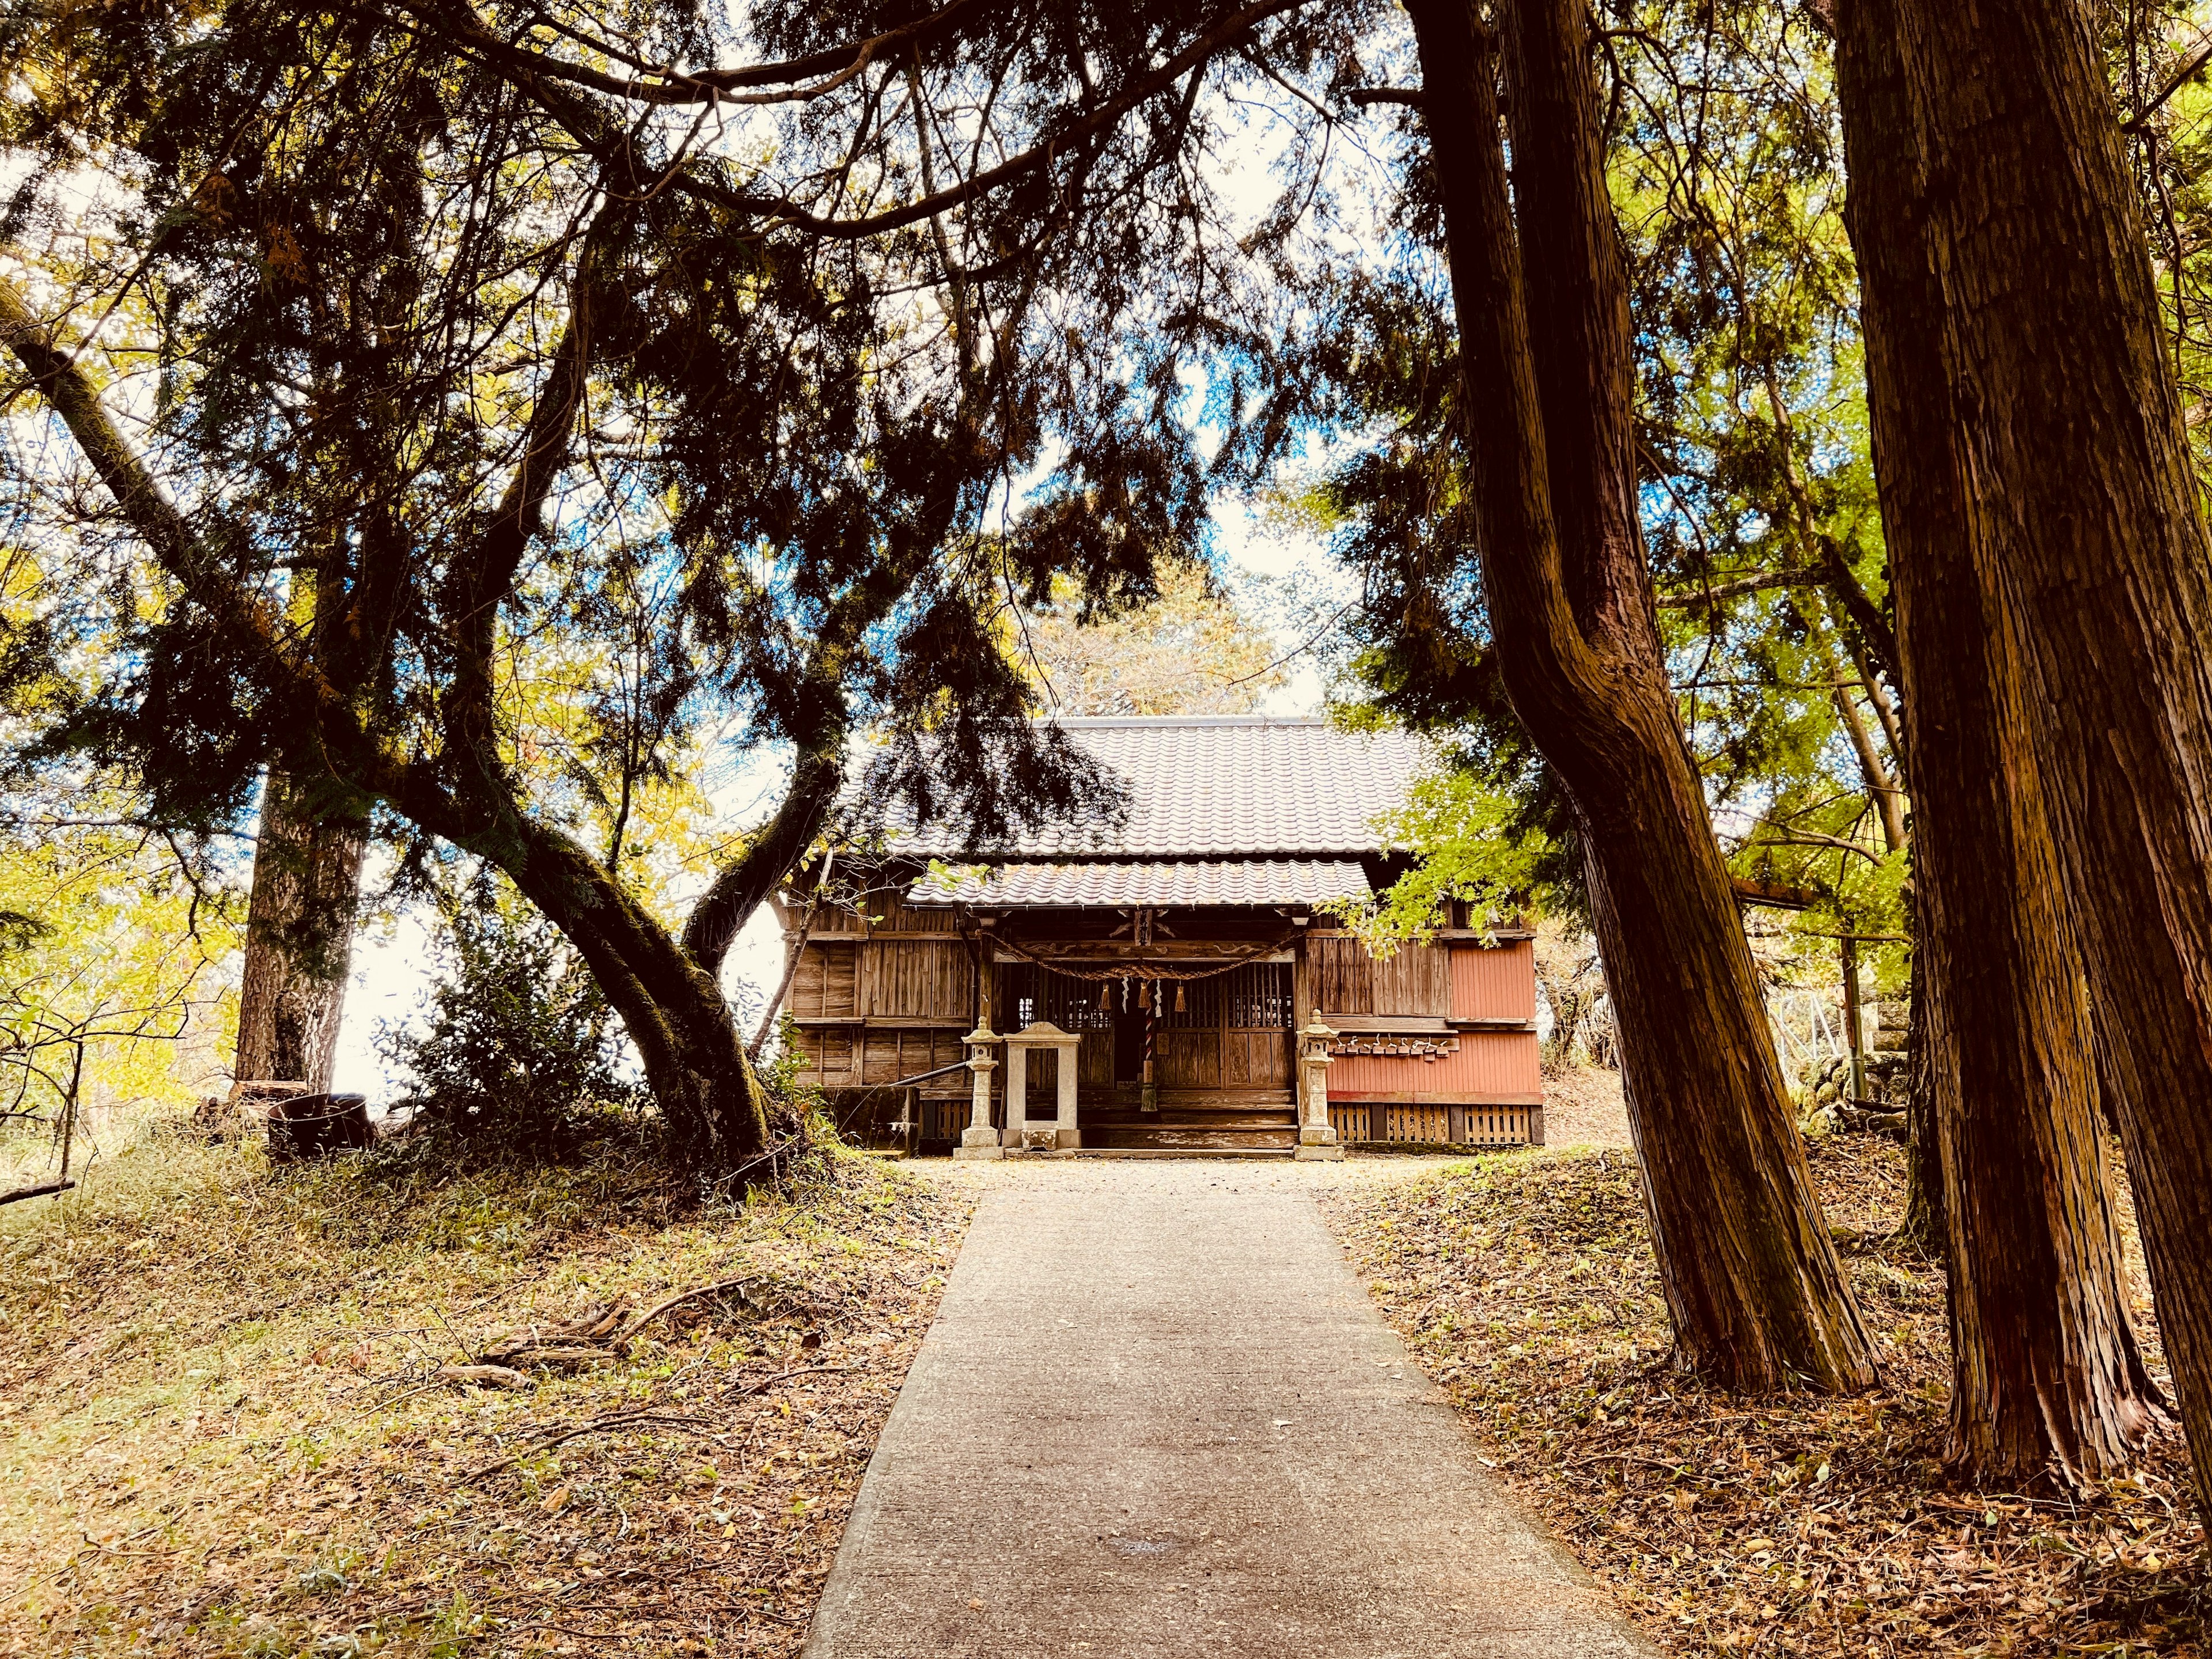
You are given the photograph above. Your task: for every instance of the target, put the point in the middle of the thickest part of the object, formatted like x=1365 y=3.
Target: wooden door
x=1257 y=1033
x=1189 y=1036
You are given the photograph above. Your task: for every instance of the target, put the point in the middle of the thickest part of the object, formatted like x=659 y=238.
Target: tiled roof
x=1221 y=786
x=1253 y=881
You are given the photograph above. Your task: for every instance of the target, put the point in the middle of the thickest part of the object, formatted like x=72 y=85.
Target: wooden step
x=1174 y=1152
x=1182 y=1117
x=1166 y=1135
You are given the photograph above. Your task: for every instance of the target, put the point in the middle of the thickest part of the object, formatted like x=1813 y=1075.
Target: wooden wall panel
x=1256 y=1060
x=1416 y=1123
x=889 y=1056
x=827 y=1056
x=885 y=915
x=917 y=979
x=1464 y=1126
x=900 y=918
x=1094 y=1060
x=1494 y=984
x=1344 y=979
x=1188 y=1060
x=1416 y=979
x=824 y=987
x=1341 y=975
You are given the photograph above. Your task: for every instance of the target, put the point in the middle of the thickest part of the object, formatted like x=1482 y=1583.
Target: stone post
x=979 y=1142
x=1068 y=1132
x=1316 y=1139
x=1017 y=1089
x=1041 y=1034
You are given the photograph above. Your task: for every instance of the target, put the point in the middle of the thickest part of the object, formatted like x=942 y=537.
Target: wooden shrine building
x=1172 y=980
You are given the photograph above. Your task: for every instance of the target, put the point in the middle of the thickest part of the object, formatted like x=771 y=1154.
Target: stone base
x=1070 y=1140
x=1317 y=1144
x=977 y=1146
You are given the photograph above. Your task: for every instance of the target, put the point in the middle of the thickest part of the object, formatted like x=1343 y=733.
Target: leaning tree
x=1759 y=1296
x=407 y=345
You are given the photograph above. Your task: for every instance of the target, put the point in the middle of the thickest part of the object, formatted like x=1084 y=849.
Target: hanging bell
x=1145 y=994
x=1180 y=1007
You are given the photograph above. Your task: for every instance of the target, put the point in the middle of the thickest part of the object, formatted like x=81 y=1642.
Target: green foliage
x=112 y=945
x=518 y=1051
x=1471 y=847
x=1759 y=506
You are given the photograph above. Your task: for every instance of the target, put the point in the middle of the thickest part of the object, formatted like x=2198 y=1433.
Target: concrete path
x=1157 y=1415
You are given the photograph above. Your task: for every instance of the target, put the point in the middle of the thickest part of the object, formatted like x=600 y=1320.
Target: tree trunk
x=2045 y=1365
x=1924 y=1222
x=1759 y=1297
x=2085 y=520
x=299 y=938
x=670 y=1003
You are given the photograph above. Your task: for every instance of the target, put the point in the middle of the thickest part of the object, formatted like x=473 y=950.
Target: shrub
x=517 y=1049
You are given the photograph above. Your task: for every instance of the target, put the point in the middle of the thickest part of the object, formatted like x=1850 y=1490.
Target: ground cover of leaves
x=221 y=1432
x=1525 y=1285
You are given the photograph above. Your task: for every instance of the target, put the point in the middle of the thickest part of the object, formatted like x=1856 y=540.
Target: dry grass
x=1584 y=1107
x=221 y=1436
x=1790 y=1525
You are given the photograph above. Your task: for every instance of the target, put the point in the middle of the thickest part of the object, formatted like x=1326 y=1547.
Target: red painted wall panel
x=1489 y=1065
x=1495 y=984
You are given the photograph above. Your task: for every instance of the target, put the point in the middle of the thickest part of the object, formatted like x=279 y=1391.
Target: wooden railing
x=1363 y=1122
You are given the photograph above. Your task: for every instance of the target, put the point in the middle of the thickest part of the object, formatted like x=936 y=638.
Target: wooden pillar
x=987 y=955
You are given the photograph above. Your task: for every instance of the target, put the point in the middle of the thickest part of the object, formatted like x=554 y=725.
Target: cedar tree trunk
x=1923 y=1221
x=299 y=938
x=1759 y=1297
x=2085 y=521
x=2044 y=1363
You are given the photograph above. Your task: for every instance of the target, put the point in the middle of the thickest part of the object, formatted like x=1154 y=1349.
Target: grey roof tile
x=1221 y=786
x=1252 y=881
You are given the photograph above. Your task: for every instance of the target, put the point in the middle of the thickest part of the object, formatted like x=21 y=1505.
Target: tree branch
x=1769 y=582
x=825 y=70
x=478 y=582
x=782 y=211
